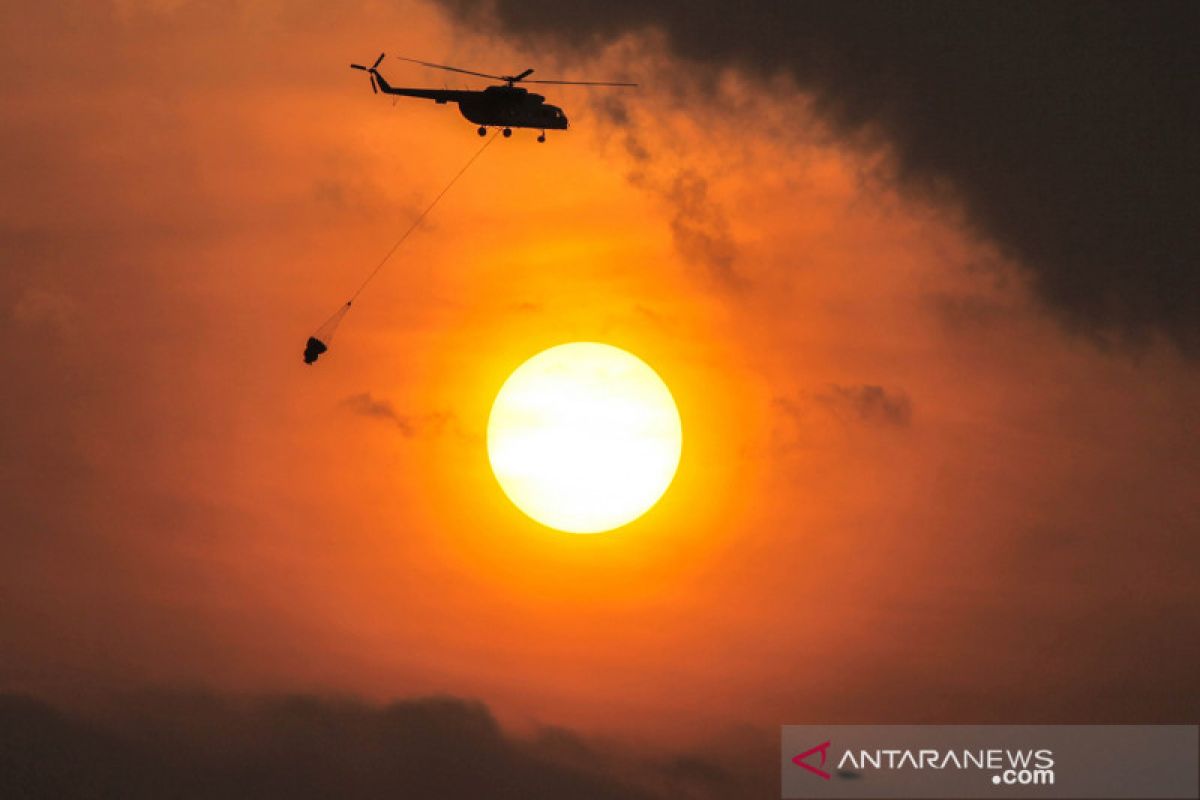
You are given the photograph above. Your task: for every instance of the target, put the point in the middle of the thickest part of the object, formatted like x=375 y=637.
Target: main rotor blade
x=584 y=83
x=522 y=76
x=452 y=69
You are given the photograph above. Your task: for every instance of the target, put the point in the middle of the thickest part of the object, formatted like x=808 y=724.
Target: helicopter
x=505 y=106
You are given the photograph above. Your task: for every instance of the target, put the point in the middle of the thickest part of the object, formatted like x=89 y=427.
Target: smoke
x=1065 y=132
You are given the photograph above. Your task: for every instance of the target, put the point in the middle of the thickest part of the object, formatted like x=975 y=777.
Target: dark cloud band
x=201 y=745
x=1067 y=131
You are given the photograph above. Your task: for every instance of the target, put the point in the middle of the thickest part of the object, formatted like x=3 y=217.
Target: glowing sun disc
x=584 y=437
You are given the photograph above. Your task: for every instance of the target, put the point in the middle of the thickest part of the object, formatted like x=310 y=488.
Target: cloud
x=699 y=225
x=870 y=404
x=801 y=420
x=177 y=744
x=366 y=405
x=1066 y=132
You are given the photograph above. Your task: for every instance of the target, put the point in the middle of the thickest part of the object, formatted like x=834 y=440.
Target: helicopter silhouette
x=505 y=106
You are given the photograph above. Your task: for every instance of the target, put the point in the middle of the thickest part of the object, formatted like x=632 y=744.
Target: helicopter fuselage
x=512 y=107
x=499 y=106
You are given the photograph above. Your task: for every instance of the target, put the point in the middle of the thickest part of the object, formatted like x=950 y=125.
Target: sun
x=584 y=437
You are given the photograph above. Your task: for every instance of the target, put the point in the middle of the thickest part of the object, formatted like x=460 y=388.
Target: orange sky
x=906 y=493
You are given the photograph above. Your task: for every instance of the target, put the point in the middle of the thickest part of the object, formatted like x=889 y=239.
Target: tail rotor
x=371 y=72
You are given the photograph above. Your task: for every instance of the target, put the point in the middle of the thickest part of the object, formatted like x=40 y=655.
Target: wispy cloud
x=870 y=404
x=365 y=404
